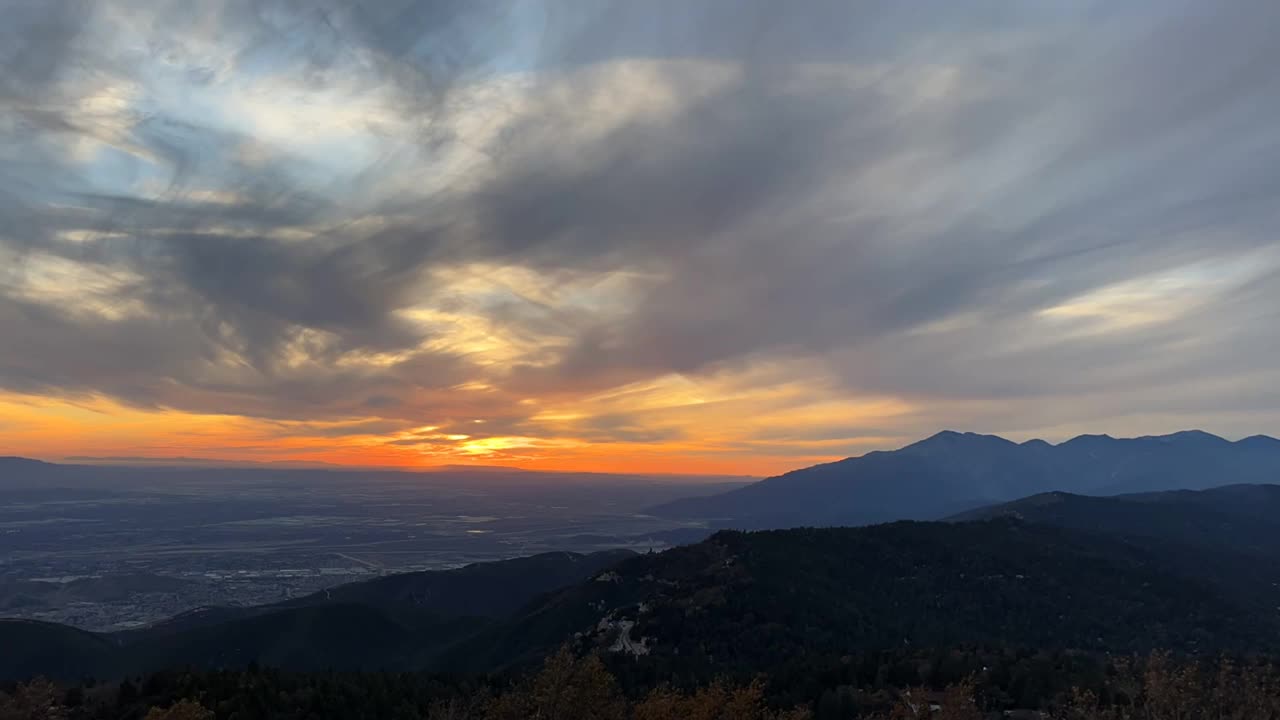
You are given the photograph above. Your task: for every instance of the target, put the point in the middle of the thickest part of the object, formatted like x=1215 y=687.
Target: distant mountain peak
x=1187 y=436
x=953 y=437
x=1194 y=432
x=18 y=459
x=1089 y=438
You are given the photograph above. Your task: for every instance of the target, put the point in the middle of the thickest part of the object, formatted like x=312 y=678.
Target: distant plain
x=113 y=547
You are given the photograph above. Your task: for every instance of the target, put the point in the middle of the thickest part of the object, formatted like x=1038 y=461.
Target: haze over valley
x=110 y=547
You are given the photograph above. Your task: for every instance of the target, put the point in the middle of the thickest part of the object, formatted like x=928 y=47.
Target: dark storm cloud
x=831 y=180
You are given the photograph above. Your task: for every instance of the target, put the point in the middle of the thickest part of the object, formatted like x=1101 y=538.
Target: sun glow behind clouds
x=671 y=425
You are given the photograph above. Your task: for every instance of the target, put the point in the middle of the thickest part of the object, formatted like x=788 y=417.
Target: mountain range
x=1190 y=571
x=952 y=472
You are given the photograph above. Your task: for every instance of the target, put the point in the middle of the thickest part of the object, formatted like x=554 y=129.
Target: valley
x=107 y=548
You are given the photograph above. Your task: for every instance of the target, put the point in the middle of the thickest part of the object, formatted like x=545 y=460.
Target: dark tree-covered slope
x=1240 y=518
x=396 y=622
x=29 y=648
x=492 y=589
x=750 y=600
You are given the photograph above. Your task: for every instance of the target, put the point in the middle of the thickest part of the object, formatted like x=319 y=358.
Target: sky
x=725 y=236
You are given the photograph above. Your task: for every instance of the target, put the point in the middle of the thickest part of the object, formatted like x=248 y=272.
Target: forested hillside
x=780 y=599
x=738 y=603
x=568 y=687
x=1006 y=612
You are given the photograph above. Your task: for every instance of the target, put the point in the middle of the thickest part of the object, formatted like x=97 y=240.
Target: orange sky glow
x=58 y=430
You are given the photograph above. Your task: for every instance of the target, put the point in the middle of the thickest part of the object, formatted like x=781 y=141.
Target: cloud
x=354 y=219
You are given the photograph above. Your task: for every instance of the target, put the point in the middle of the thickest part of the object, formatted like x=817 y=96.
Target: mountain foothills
x=953 y=472
x=738 y=602
x=398 y=621
x=1241 y=518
